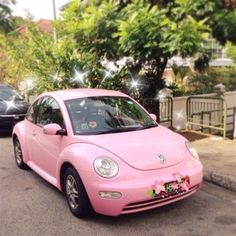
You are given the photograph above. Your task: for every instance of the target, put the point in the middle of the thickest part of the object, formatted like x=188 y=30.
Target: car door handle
x=34 y=133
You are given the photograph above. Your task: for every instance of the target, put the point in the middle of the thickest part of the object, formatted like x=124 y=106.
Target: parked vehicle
x=12 y=107
x=105 y=152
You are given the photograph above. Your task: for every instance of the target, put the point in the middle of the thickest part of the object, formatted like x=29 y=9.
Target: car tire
x=76 y=194
x=19 y=155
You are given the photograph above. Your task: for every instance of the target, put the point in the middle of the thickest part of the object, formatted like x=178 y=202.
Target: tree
x=5 y=14
x=231 y=51
x=220 y=15
x=229 y=3
x=36 y=55
x=137 y=29
x=152 y=37
x=120 y=44
x=8 y=23
x=91 y=27
x=8 y=71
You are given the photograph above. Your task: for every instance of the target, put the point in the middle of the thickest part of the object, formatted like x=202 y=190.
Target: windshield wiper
x=119 y=130
x=150 y=126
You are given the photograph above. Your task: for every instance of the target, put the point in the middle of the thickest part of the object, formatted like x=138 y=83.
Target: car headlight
x=192 y=150
x=105 y=167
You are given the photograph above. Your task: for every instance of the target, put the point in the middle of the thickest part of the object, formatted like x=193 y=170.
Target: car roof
x=69 y=94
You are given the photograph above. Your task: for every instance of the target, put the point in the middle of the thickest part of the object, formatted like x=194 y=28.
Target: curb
x=225 y=181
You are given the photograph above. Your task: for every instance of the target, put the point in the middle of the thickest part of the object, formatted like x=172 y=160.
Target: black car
x=13 y=107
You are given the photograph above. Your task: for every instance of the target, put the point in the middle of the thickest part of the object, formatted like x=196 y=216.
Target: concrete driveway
x=30 y=206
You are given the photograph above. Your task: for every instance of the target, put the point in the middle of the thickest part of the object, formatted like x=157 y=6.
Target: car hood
x=144 y=149
x=13 y=107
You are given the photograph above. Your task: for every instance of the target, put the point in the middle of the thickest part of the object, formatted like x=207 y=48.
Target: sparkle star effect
x=78 y=77
x=134 y=84
x=55 y=77
x=107 y=75
x=10 y=104
x=179 y=115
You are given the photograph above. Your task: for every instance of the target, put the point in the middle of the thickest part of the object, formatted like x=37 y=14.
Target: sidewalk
x=218 y=157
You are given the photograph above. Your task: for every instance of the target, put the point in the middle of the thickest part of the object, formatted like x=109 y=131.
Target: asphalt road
x=29 y=206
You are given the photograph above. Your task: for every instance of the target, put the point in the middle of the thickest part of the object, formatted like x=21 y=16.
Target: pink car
x=105 y=152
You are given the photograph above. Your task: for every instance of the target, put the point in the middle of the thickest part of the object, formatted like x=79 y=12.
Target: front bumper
x=7 y=122
x=135 y=185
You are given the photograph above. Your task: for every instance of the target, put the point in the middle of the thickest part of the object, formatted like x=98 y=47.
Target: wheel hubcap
x=18 y=153
x=72 y=191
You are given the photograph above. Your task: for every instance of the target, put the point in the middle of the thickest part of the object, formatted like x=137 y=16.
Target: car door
x=30 y=126
x=45 y=149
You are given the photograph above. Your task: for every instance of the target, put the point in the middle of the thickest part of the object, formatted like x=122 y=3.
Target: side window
x=33 y=111
x=49 y=112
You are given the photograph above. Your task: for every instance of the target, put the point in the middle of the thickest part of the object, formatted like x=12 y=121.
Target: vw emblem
x=162 y=158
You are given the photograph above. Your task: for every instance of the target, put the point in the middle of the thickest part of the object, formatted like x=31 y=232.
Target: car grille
x=155 y=202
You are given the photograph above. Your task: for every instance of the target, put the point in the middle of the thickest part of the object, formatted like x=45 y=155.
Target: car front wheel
x=19 y=155
x=76 y=195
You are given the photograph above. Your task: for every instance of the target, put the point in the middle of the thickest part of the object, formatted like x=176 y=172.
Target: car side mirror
x=153 y=116
x=54 y=129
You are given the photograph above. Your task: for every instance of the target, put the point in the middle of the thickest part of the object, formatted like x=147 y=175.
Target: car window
x=107 y=114
x=49 y=112
x=7 y=93
x=31 y=114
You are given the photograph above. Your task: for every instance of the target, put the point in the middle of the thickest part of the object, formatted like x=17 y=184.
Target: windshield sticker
x=92 y=124
x=84 y=126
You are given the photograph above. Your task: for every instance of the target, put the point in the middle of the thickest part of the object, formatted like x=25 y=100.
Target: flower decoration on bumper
x=179 y=185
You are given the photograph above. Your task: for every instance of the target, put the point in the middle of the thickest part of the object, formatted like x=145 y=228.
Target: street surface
x=29 y=206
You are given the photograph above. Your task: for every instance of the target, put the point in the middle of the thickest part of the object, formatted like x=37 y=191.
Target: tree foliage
x=6 y=24
x=135 y=38
x=231 y=51
x=36 y=55
x=142 y=30
x=221 y=17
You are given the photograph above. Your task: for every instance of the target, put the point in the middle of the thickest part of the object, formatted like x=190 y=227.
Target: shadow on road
x=128 y=219
x=193 y=136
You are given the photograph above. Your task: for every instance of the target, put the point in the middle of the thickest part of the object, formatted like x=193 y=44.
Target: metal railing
x=162 y=108
x=207 y=113
x=230 y=121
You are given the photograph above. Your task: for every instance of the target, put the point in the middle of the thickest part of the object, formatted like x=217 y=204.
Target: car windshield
x=7 y=94
x=100 y=115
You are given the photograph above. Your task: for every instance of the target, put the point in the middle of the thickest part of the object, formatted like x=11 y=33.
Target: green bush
x=200 y=84
x=178 y=89
x=204 y=83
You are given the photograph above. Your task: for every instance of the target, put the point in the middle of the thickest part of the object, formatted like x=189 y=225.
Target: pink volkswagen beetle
x=105 y=152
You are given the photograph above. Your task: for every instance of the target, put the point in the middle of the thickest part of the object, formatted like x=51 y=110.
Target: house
x=42 y=24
